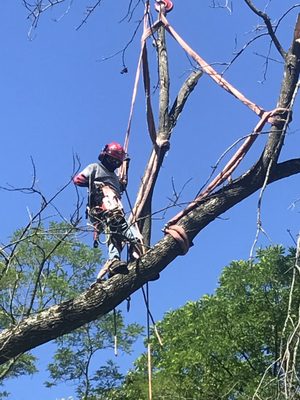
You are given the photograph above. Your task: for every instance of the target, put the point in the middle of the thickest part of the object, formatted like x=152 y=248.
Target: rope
x=211 y=71
x=151 y=317
x=149 y=344
x=115 y=334
x=230 y=166
x=149 y=372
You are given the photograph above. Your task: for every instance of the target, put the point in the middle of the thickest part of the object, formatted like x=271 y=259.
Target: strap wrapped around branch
x=179 y=234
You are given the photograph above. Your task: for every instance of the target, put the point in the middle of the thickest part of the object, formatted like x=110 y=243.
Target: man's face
x=114 y=162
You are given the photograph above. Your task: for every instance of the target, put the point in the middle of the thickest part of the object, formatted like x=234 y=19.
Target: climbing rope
x=229 y=167
x=115 y=333
x=172 y=228
x=265 y=116
x=178 y=232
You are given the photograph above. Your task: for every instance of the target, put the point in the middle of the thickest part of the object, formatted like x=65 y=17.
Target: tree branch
x=92 y=304
x=179 y=103
x=269 y=26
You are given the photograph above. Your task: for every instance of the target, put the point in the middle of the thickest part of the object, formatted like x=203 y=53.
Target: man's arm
x=81 y=180
x=124 y=174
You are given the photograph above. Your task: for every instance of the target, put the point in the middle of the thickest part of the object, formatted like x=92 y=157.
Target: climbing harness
x=104 y=210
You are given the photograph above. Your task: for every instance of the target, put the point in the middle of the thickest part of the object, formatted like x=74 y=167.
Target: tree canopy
x=52 y=265
x=231 y=344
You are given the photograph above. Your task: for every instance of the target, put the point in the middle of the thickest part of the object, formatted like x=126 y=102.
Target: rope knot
x=280 y=115
x=163 y=144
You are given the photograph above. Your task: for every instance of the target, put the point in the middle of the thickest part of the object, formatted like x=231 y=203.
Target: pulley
x=166 y=4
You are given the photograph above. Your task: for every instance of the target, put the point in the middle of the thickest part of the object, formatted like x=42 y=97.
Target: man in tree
x=105 y=209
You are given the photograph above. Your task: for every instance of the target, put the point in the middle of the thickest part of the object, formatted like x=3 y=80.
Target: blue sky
x=59 y=98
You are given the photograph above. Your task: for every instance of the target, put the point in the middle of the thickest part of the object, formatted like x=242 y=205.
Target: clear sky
x=59 y=98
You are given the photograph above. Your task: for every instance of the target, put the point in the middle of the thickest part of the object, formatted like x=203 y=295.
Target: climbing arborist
x=105 y=210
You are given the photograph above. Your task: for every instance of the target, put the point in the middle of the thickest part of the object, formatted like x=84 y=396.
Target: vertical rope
x=115 y=334
x=137 y=76
x=149 y=345
x=149 y=373
x=152 y=319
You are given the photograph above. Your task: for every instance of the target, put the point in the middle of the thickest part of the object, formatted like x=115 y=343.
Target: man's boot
x=116 y=266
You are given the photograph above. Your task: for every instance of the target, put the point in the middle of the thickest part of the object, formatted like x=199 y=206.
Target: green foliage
x=74 y=358
x=42 y=267
x=224 y=345
x=45 y=267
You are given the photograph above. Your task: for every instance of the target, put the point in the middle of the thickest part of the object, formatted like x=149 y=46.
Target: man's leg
x=114 y=263
x=136 y=247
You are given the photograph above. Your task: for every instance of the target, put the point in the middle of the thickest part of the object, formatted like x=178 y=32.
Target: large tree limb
x=167 y=120
x=67 y=316
x=286 y=99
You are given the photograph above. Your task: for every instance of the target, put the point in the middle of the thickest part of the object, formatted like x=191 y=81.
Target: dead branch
x=269 y=26
x=179 y=103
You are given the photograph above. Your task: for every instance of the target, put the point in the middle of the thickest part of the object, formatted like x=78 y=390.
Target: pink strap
x=179 y=234
x=210 y=71
x=231 y=165
x=148 y=31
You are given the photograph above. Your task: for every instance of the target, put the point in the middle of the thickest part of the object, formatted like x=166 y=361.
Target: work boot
x=117 y=267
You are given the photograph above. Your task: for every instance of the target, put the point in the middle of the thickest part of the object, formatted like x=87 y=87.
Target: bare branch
x=37 y=9
x=179 y=103
x=123 y=51
x=130 y=10
x=88 y=12
x=269 y=26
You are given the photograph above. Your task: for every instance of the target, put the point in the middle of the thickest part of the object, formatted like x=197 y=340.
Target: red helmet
x=114 y=150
